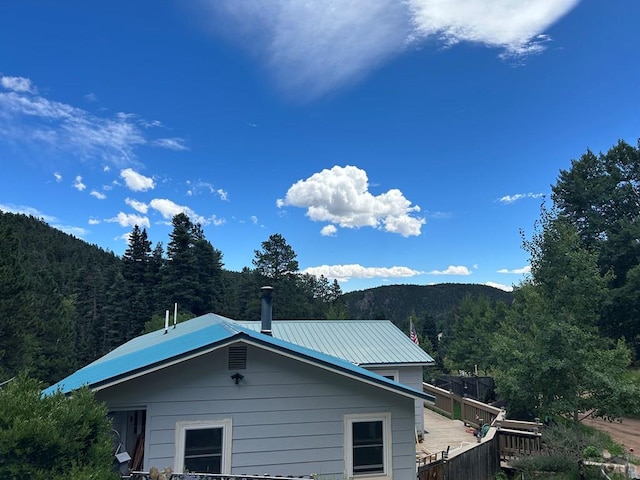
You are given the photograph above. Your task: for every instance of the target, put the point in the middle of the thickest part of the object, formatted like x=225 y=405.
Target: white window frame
x=385 y=418
x=181 y=429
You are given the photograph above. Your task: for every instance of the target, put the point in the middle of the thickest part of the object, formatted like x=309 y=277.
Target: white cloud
x=136 y=205
x=78 y=185
x=345 y=272
x=174 y=143
x=341 y=196
x=94 y=221
x=98 y=195
x=518 y=271
x=129 y=220
x=169 y=209
x=58 y=177
x=71 y=230
x=136 y=181
x=329 y=231
x=222 y=194
x=36 y=121
x=254 y=219
x=506 y=288
x=17 y=84
x=25 y=210
x=452 y=270
x=315 y=47
x=519 y=196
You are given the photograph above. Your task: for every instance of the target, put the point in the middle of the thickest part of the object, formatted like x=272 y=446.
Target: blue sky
x=388 y=142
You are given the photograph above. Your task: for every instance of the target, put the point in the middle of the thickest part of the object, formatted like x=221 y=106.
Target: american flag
x=412 y=334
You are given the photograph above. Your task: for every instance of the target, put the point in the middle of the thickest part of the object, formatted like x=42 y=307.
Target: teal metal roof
x=198 y=336
x=363 y=342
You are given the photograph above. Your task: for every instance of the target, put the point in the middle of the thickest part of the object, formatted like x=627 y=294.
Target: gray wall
x=410 y=376
x=288 y=416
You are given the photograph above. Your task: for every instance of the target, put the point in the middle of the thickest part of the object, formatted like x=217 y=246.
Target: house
x=213 y=396
x=377 y=345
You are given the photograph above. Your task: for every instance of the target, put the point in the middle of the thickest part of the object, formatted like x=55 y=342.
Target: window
x=390 y=374
x=203 y=447
x=368 y=445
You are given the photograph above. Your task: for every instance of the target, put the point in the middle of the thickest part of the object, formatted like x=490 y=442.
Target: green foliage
x=472 y=333
x=600 y=196
x=52 y=437
x=276 y=259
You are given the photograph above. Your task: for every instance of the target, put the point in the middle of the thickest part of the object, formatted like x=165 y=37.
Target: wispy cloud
x=519 y=196
x=343 y=273
x=452 y=270
x=57 y=176
x=135 y=181
x=315 y=47
x=51 y=220
x=174 y=143
x=341 y=196
x=26 y=210
x=33 y=120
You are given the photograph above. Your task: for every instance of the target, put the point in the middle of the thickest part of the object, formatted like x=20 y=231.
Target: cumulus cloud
x=519 y=196
x=35 y=121
x=315 y=47
x=329 y=231
x=17 y=84
x=517 y=271
x=452 y=270
x=169 y=209
x=78 y=185
x=136 y=181
x=94 y=221
x=129 y=220
x=98 y=195
x=341 y=196
x=343 y=273
x=136 y=205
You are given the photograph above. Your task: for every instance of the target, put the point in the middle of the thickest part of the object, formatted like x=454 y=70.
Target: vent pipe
x=266 y=310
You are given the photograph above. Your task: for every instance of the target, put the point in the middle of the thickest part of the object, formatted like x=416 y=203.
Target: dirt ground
x=625 y=431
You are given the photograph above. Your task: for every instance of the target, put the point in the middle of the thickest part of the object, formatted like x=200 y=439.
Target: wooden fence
x=503 y=441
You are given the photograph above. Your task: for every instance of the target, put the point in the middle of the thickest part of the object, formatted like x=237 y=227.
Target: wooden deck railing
x=504 y=440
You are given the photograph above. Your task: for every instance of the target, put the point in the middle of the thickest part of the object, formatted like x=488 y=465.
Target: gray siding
x=288 y=416
x=411 y=376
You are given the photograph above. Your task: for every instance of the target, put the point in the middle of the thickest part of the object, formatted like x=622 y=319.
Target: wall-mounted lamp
x=237 y=377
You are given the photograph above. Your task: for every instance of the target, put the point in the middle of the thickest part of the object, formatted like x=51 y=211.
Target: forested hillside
x=64 y=302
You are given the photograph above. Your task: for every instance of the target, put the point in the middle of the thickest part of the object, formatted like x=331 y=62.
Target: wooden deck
x=442 y=433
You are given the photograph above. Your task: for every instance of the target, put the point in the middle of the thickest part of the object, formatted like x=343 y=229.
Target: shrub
x=53 y=437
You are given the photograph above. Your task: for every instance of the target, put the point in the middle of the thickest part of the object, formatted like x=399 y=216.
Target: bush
x=53 y=437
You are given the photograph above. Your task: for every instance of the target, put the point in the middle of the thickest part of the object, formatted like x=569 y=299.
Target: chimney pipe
x=266 y=310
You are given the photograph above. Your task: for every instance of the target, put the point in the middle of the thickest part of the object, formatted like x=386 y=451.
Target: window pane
x=203 y=450
x=368 y=447
x=367 y=433
x=203 y=465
